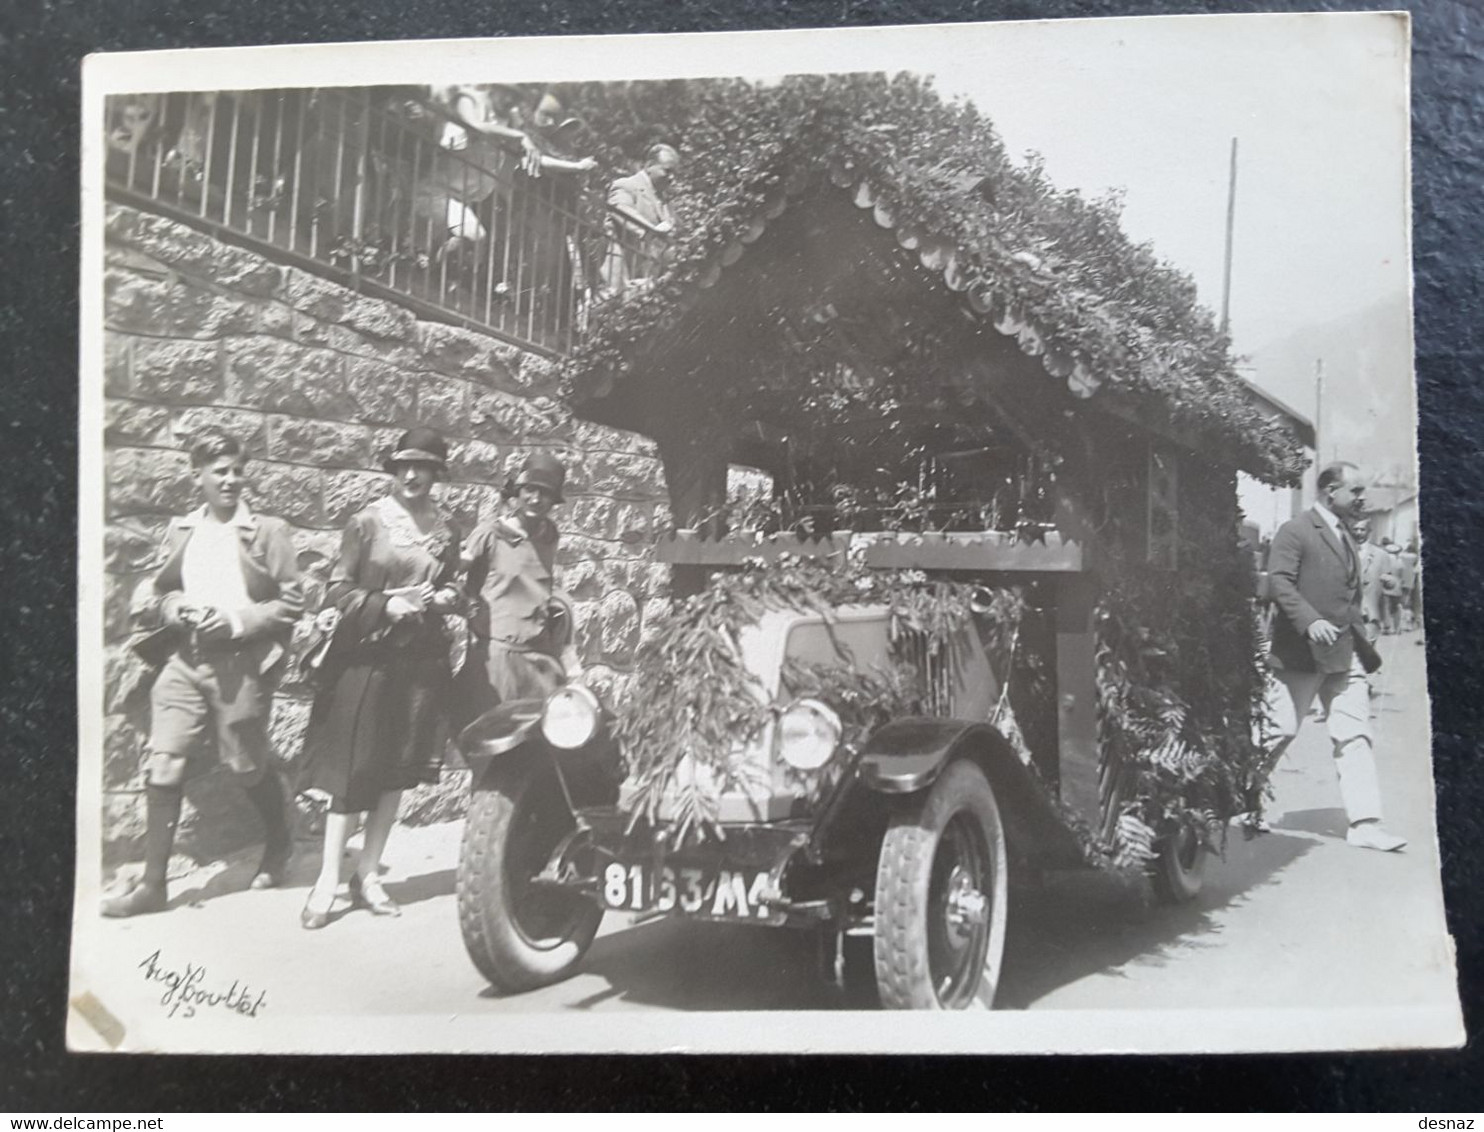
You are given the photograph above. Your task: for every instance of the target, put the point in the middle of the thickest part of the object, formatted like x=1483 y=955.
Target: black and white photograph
x=874 y=540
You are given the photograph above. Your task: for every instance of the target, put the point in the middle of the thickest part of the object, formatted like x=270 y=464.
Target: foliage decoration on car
x=1180 y=680
x=692 y=704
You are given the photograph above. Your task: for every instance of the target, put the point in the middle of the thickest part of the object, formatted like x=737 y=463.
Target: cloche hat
x=544 y=470
x=418 y=446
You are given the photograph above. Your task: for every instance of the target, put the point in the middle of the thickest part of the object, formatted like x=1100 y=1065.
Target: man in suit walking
x=1318 y=643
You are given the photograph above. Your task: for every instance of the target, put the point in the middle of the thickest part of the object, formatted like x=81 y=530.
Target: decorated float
x=992 y=618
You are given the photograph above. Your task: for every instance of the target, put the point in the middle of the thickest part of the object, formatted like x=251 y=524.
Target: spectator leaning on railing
x=644 y=224
x=483 y=124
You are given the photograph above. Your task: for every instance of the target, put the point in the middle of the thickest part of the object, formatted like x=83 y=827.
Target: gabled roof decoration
x=1049 y=269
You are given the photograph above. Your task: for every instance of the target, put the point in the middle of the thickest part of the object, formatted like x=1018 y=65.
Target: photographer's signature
x=186 y=991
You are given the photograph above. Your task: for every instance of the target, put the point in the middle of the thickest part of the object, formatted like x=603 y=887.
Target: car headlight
x=808 y=733
x=570 y=718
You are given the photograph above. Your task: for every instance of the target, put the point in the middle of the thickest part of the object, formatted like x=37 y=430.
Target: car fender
x=513 y=730
x=906 y=757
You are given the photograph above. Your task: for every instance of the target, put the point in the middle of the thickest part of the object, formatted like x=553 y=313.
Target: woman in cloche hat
x=380 y=722
x=521 y=624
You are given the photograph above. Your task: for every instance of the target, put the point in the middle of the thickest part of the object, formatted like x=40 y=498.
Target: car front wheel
x=941 y=897
x=520 y=933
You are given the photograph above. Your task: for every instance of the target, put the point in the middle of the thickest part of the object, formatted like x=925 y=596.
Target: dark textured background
x=41 y=45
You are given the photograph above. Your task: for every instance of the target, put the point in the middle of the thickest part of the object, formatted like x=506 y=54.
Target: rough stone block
x=474 y=461
x=623 y=474
x=590 y=515
x=117 y=352
x=650 y=580
x=275 y=318
x=618 y=618
x=582 y=581
x=180 y=372
x=171 y=307
x=463 y=353
x=149 y=480
x=118 y=599
x=123 y=827
x=531 y=373
x=443 y=404
x=291 y=493
x=271 y=374
x=347 y=492
x=602 y=438
x=470 y=504
x=503 y=417
x=123 y=753
x=197 y=254
x=576 y=547
x=239 y=270
x=330 y=302
x=651 y=618
x=323 y=443
x=134 y=422
x=248 y=427
x=384 y=393
x=126 y=681
x=133 y=545
x=587 y=635
x=119 y=222
x=168 y=241
x=633 y=523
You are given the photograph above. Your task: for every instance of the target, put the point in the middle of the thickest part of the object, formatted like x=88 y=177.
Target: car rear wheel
x=941 y=897
x=1178 y=871
x=521 y=934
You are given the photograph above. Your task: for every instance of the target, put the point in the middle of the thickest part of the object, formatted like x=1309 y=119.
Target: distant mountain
x=1369 y=409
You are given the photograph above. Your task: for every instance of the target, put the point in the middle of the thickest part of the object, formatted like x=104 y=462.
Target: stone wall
x=318 y=380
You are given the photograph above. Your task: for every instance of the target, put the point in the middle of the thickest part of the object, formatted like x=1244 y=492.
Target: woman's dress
x=381 y=721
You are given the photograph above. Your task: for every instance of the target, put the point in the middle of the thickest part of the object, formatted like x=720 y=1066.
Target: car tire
x=942 y=897
x=520 y=936
x=1178 y=870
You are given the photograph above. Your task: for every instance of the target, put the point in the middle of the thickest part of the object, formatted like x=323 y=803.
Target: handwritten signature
x=185 y=992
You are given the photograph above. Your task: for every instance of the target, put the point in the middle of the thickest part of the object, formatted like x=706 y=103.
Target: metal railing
x=381 y=191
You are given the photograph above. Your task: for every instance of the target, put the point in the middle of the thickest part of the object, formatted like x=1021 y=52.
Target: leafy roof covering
x=1050 y=268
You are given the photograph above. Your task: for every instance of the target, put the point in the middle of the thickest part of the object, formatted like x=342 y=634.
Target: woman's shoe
x=316 y=914
x=370 y=895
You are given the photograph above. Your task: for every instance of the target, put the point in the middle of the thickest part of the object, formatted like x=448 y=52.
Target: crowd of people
x=423 y=629
x=496 y=131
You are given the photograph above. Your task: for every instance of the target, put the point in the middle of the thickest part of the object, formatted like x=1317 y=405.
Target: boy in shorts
x=223 y=606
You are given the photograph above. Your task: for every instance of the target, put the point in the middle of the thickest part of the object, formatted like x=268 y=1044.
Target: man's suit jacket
x=637 y=194
x=1311 y=575
x=270 y=570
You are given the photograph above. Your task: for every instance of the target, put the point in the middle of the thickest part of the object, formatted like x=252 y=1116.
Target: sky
x=1318 y=105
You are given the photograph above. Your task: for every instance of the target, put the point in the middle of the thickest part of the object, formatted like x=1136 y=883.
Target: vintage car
x=898 y=851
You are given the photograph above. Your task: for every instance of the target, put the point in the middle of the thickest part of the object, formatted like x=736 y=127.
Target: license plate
x=727 y=894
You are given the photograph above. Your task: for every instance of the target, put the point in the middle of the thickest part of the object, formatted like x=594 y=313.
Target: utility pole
x=1318 y=407
x=1231 y=220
